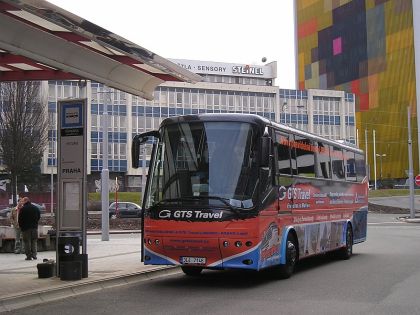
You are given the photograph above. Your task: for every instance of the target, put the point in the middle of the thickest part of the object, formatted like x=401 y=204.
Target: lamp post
x=105 y=170
x=374 y=156
x=299 y=112
x=283 y=109
x=380 y=156
x=105 y=180
x=53 y=165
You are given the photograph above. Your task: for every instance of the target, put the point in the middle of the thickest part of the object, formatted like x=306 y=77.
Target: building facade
x=369 y=48
x=226 y=88
x=327 y=113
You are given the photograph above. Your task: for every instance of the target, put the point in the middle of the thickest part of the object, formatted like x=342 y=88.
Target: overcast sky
x=219 y=30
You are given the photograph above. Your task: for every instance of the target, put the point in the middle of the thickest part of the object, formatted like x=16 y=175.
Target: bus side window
x=360 y=167
x=350 y=166
x=283 y=154
x=337 y=163
x=305 y=153
x=322 y=161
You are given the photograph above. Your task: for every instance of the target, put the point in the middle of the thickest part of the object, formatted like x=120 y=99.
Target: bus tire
x=191 y=271
x=285 y=271
x=347 y=251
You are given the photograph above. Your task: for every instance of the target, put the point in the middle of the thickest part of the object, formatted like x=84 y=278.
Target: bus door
x=138 y=141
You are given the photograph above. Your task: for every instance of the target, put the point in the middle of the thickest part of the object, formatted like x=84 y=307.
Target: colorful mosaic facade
x=364 y=47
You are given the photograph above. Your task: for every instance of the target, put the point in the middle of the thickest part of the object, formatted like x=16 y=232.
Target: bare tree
x=23 y=128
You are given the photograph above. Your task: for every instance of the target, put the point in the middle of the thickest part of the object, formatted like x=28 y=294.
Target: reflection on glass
x=209 y=162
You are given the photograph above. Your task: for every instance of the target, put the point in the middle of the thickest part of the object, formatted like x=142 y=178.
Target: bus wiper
x=163 y=201
x=223 y=200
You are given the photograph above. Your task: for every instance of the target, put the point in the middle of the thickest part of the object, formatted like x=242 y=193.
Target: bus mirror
x=265 y=151
x=135 y=152
x=138 y=140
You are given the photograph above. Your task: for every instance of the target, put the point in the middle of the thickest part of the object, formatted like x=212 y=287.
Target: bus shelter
x=41 y=41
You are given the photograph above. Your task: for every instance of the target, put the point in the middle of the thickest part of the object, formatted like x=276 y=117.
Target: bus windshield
x=208 y=162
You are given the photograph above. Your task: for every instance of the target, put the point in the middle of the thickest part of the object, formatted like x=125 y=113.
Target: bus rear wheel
x=347 y=251
x=191 y=271
x=285 y=271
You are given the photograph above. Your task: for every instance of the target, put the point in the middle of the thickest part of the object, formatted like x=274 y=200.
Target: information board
x=72 y=164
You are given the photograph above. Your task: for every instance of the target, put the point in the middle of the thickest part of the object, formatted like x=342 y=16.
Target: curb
x=409 y=220
x=99 y=232
x=22 y=300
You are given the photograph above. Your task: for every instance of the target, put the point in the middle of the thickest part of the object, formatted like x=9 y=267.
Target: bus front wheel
x=286 y=270
x=191 y=271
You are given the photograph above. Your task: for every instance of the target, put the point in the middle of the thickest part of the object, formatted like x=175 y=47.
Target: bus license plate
x=193 y=260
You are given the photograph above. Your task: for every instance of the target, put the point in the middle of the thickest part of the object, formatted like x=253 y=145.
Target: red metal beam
x=36 y=75
x=6 y=58
x=6 y=7
x=69 y=36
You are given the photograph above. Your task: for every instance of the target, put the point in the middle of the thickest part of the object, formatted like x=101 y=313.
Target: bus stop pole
x=105 y=181
x=374 y=157
x=410 y=165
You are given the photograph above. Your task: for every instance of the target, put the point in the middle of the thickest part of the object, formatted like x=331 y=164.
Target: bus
x=238 y=191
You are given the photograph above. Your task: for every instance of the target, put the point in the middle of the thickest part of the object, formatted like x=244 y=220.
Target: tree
x=23 y=128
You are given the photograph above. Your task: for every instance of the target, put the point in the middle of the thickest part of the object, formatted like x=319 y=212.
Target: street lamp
x=283 y=109
x=53 y=164
x=380 y=156
x=300 y=111
x=105 y=170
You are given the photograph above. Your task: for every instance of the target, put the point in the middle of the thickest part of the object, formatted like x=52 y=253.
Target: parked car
x=40 y=207
x=124 y=210
x=5 y=213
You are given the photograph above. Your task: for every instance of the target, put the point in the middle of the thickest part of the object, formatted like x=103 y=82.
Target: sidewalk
x=110 y=263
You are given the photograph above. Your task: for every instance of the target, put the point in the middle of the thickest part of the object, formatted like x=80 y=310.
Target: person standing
x=28 y=219
x=14 y=215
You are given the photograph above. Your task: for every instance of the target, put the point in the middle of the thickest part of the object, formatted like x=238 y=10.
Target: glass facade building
x=366 y=47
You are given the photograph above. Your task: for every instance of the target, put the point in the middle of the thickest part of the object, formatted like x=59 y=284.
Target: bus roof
x=260 y=121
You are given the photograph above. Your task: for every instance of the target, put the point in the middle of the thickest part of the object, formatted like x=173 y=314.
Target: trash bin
x=70 y=265
x=46 y=269
x=70 y=270
x=83 y=258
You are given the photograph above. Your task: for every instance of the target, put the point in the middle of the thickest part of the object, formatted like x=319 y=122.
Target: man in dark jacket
x=29 y=216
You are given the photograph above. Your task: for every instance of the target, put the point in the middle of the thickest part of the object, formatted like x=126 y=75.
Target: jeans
x=18 y=241
x=30 y=240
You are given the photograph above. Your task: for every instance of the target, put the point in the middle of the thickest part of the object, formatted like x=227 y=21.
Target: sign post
x=410 y=164
x=116 y=196
x=72 y=180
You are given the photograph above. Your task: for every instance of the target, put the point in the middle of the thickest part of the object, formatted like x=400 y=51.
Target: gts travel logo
x=190 y=214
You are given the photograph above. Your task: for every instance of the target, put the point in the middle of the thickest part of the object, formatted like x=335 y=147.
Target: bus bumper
x=206 y=253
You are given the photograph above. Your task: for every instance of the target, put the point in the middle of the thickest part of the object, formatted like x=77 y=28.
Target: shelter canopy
x=41 y=41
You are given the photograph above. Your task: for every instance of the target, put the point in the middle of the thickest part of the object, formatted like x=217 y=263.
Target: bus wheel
x=286 y=270
x=191 y=271
x=347 y=251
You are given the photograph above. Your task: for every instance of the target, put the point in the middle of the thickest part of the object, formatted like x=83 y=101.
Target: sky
x=229 y=31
